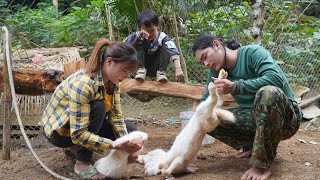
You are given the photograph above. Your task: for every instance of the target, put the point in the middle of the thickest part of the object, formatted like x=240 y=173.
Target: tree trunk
x=7 y=98
x=258 y=23
x=182 y=60
x=33 y=81
x=55 y=4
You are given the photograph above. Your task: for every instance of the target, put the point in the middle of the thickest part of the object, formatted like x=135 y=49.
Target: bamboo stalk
x=182 y=60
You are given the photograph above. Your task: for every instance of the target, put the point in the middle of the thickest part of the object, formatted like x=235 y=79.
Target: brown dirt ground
x=215 y=161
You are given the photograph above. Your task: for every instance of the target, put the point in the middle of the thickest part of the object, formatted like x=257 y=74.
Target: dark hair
x=147 y=18
x=118 y=50
x=205 y=41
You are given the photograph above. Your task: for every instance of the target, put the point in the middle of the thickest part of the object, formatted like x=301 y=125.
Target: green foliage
x=128 y=9
x=28 y=25
x=83 y=26
x=47 y=28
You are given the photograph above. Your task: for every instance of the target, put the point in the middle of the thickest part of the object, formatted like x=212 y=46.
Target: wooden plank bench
x=147 y=90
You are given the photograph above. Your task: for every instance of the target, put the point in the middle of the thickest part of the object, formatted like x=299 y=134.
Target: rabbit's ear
x=121 y=140
x=137 y=134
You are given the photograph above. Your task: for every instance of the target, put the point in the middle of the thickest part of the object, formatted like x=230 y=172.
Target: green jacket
x=254 y=69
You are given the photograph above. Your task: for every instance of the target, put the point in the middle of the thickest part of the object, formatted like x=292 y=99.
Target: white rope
x=14 y=101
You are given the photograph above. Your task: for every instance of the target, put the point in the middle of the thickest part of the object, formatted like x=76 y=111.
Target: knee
x=267 y=89
x=164 y=54
x=268 y=95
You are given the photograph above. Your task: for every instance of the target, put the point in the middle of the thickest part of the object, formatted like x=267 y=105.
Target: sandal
x=87 y=173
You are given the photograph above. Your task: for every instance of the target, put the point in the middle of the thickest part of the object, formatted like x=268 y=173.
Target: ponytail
x=232 y=44
x=94 y=63
x=206 y=40
x=119 y=52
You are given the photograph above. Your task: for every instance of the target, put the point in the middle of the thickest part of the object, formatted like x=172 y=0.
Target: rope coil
x=15 y=105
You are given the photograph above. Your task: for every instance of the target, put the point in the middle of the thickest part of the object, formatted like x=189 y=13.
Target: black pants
x=98 y=125
x=153 y=62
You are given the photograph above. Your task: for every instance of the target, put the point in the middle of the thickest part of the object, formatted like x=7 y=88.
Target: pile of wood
x=39 y=71
x=308 y=105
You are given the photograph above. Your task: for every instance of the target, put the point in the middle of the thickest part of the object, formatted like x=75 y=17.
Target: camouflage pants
x=273 y=118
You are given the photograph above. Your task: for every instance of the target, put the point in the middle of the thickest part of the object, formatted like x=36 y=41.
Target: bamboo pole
x=307 y=102
x=108 y=14
x=182 y=60
x=7 y=101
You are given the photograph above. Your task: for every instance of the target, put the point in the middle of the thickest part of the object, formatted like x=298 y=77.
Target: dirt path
x=215 y=161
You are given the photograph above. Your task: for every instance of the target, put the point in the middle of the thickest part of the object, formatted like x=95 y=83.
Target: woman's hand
x=130 y=147
x=179 y=75
x=224 y=86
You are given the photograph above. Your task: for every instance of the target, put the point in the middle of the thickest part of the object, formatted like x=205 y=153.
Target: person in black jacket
x=155 y=49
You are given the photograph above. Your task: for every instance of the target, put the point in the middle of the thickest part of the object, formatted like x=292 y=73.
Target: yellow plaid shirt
x=67 y=113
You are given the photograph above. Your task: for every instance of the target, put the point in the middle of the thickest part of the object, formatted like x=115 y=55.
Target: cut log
x=300 y=91
x=153 y=88
x=147 y=90
x=33 y=81
x=72 y=66
x=307 y=102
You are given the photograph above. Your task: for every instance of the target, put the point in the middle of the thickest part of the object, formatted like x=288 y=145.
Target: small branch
x=183 y=62
x=309 y=101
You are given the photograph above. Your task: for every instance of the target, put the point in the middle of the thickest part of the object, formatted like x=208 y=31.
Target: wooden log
x=7 y=100
x=147 y=90
x=72 y=66
x=154 y=88
x=307 y=102
x=33 y=81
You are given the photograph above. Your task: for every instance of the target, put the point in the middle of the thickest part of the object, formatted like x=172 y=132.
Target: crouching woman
x=84 y=112
x=267 y=112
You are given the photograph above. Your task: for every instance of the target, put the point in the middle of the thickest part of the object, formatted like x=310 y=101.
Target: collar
x=99 y=78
